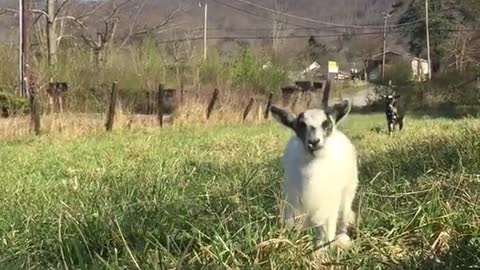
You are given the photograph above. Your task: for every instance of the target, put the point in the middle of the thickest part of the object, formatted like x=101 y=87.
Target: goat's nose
x=314 y=142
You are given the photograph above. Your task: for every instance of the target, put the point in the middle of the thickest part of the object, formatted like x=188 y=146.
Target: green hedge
x=10 y=104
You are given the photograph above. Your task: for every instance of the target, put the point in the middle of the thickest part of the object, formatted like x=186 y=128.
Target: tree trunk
x=177 y=73
x=98 y=50
x=365 y=73
x=51 y=34
x=462 y=54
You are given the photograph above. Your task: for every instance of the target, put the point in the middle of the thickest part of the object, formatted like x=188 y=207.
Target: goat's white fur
x=321 y=186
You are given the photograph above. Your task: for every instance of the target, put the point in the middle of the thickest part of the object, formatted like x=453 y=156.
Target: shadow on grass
x=444 y=111
x=462 y=255
x=411 y=159
x=215 y=210
x=202 y=213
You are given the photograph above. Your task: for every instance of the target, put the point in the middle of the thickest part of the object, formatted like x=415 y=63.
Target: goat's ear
x=340 y=110
x=283 y=116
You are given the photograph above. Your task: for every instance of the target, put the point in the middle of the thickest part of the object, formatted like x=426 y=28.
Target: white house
x=420 y=69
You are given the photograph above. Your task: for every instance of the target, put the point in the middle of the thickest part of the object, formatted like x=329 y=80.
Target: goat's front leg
x=290 y=204
x=60 y=104
x=400 y=124
x=50 y=103
x=347 y=217
x=390 y=128
x=325 y=229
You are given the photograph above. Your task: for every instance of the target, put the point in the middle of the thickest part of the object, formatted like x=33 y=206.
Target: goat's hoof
x=343 y=241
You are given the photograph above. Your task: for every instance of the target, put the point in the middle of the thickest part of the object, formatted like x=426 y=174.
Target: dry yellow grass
x=229 y=109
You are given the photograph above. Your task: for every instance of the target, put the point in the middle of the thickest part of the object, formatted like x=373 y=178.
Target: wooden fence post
x=269 y=104
x=309 y=101
x=294 y=103
x=212 y=102
x=159 y=105
x=182 y=90
x=35 y=111
x=248 y=108
x=111 y=109
x=326 y=94
x=147 y=107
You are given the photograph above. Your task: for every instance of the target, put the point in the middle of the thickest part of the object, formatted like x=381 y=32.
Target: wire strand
x=303 y=36
x=317 y=21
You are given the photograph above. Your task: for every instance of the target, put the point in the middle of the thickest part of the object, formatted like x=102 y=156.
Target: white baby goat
x=320 y=169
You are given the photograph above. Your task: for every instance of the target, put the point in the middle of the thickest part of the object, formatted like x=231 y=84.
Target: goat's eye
x=327 y=127
x=326 y=124
x=302 y=125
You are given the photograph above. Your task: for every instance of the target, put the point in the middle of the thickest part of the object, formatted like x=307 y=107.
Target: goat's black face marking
x=313 y=127
x=301 y=128
x=327 y=126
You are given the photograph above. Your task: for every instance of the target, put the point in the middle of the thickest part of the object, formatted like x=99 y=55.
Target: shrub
x=245 y=69
x=250 y=73
x=10 y=104
x=214 y=70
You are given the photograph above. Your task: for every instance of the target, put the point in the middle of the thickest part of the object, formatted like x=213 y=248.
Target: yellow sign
x=332 y=67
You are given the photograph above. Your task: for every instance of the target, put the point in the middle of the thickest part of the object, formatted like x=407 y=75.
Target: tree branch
x=8 y=10
x=40 y=11
x=72 y=18
x=61 y=7
x=116 y=9
x=133 y=24
x=14 y=11
x=160 y=25
x=89 y=41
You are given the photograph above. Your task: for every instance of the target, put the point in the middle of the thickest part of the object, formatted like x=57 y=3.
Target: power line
x=254 y=14
x=302 y=36
x=334 y=28
x=326 y=28
x=317 y=21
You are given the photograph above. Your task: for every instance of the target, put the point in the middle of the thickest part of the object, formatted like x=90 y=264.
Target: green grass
x=210 y=198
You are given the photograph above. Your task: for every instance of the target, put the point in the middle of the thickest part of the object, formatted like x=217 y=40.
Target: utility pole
x=21 y=88
x=428 y=42
x=385 y=16
x=25 y=46
x=205 y=31
x=51 y=34
x=28 y=83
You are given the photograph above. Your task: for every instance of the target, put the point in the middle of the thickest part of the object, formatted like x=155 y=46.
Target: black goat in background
x=394 y=111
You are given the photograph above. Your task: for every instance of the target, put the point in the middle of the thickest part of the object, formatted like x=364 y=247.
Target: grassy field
x=209 y=198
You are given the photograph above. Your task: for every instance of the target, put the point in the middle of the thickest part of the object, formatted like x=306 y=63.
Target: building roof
x=380 y=55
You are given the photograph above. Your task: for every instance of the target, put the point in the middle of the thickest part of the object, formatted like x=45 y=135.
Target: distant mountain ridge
x=239 y=18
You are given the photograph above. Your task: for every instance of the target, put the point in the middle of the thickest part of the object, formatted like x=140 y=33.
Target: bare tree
x=102 y=41
x=134 y=30
x=56 y=14
x=100 y=45
x=364 y=47
x=462 y=49
x=183 y=52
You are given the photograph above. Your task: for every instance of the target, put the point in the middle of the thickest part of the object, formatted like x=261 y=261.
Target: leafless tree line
x=94 y=23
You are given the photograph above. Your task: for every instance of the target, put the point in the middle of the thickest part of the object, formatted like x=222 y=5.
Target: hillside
x=227 y=18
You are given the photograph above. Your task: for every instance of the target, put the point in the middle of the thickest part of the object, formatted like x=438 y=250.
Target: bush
x=10 y=104
x=214 y=70
x=270 y=79
x=400 y=75
x=245 y=69
x=250 y=73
